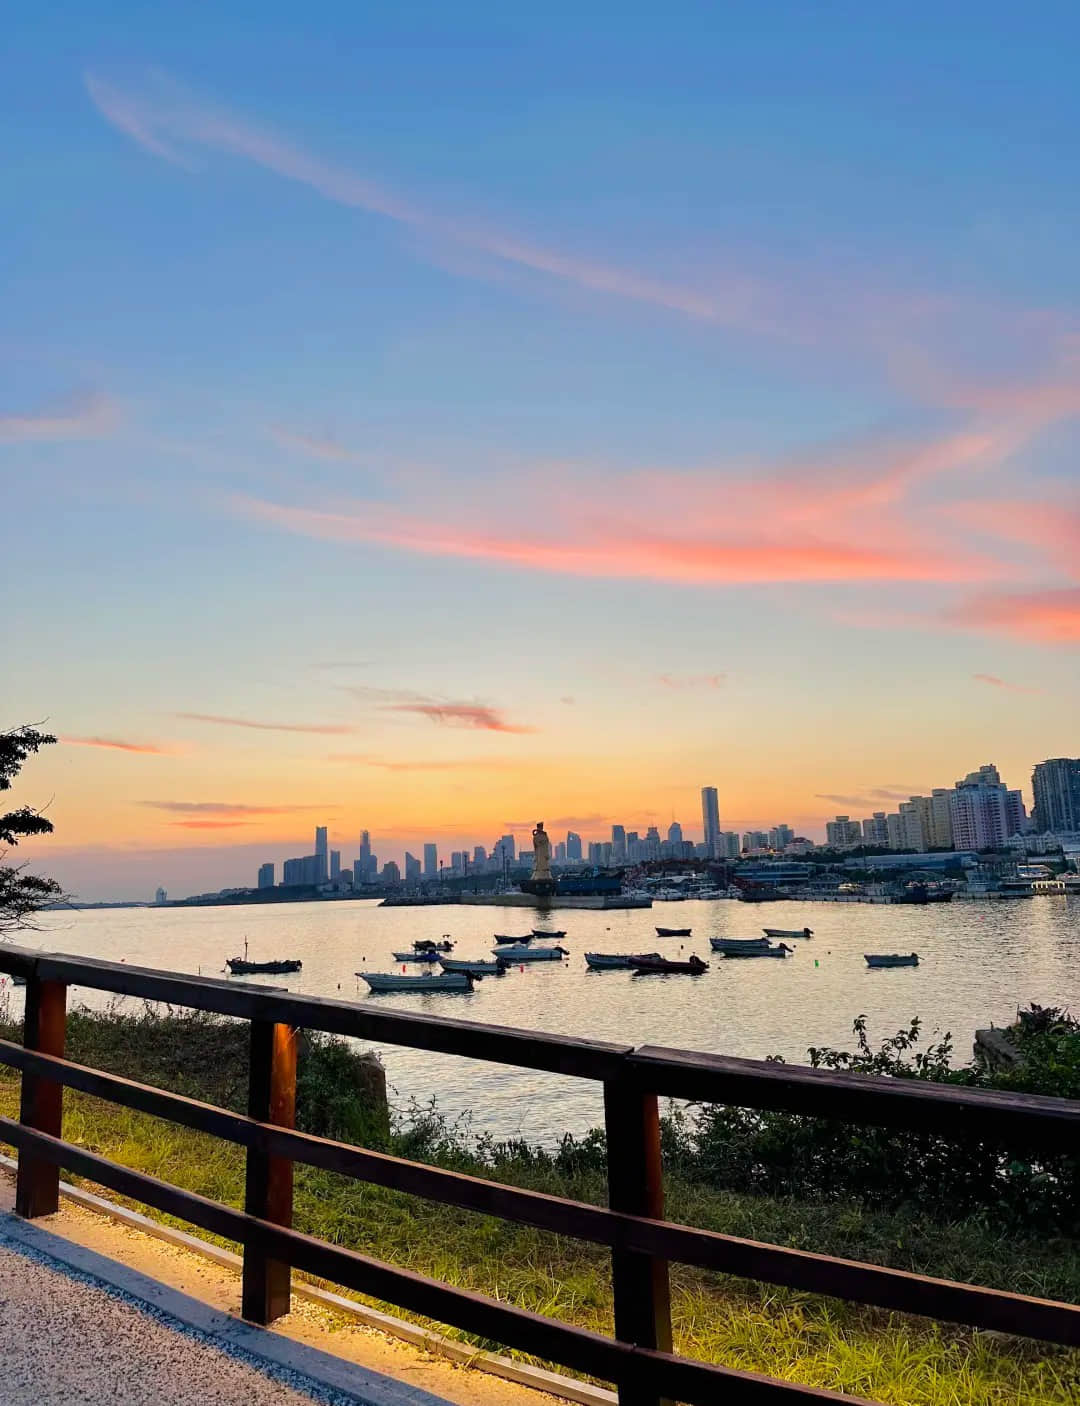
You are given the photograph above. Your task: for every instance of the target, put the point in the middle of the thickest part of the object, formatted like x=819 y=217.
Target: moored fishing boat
x=693 y=966
x=531 y=954
x=603 y=961
x=422 y=954
x=240 y=966
x=433 y=981
x=891 y=959
x=781 y=949
x=788 y=932
x=513 y=941
x=554 y=932
x=427 y=944
x=739 y=944
x=673 y=932
x=475 y=968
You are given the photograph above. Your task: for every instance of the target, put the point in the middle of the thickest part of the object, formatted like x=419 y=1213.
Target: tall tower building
x=573 y=847
x=266 y=875
x=322 y=858
x=618 y=843
x=335 y=864
x=431 y=861
x=674 y=833
x=710 y=820
x=1055 y=785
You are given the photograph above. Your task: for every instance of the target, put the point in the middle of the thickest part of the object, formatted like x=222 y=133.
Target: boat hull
x=755 y=952
x=608 y=961
x=788 y=932
x=239 y=967
x=739 y=944
x=427 y=958
x=381 y=982
x=892 y=959
x=531 y=954
x=651 y=966
x=673 y=932
x=451 y=964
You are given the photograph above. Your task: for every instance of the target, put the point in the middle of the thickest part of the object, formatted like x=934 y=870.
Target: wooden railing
x=639 y=1359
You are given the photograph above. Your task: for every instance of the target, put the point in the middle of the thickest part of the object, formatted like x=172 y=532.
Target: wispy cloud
x=854 y=802
x=229 y=809
x=117 y=744
x=208 y=824
x=324 y=729
x=316 y=446
x=1049 y=616
x=474 y=715
x=680 y=681
x=86 y=417
x=994 y=682
x=470 y=713
x=166 y=120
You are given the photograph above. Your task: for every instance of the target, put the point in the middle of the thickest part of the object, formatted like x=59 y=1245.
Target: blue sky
x=501 y=357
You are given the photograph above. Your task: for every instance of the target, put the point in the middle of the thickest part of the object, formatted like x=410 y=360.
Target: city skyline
x=435 y=442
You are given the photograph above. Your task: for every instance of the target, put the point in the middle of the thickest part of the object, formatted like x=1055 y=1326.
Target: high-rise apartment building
x=780 y=836
x=322 y=865
x=674 y=833
x=652 y=843
x=755 y=840
x=412 y=868
x=266 y=875
x=941 y=836
x=479 y=855
x=984 y=812
x=618 y=843
x=595 y=852
x=573 y=847
x=915 y=823
x=335 y=864
x=560 y=852
x=875 y=830
x=391 y=874
x=366 y=871
x=431 y=861
x=710 y=819
x=1055 y=785
x=729 y=844
x=843 y=833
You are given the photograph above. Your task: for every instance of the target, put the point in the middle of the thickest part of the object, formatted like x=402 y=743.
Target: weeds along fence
x=639 y=1359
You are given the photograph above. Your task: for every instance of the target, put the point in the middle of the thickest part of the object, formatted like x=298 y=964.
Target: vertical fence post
x=640 y=1285
x=37 y=1183
x=269 y=1183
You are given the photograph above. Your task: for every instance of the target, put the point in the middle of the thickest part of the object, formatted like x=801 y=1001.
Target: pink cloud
x=228 y=809
x=475 y=764
x=324 y=729
x=476 y=715
x=86 y=417
x=117 y=745
x=1044 y=617
x=316 y=446
x=994 y=682
x=208 y=824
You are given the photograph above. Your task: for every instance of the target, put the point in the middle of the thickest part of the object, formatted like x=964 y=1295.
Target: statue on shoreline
x=541 y=853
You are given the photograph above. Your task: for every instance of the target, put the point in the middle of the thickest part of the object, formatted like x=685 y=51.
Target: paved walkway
x=79 y=1330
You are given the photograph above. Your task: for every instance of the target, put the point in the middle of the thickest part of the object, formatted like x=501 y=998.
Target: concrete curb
x=524 y=1374
x=305 y=1366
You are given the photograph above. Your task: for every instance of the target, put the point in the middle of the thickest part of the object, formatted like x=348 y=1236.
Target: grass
x=799 y=1337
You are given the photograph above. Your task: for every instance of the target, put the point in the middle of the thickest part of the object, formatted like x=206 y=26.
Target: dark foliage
x=21 y=894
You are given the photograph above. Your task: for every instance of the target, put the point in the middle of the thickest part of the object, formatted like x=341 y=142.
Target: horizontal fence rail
x=642 y=1242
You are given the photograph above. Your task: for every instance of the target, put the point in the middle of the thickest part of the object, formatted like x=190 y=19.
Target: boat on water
x=531 y=954
x=779 y=949
x=891 y=959
x=421 y=954
x=604 y=961
x=739 y=944
x=240 y=966
x=693 y=966
x=541 y=932
x=380 y=982
x=788 y=932
x=673 y=932
x=474 y=968
x=514 y=941
x=427 y=944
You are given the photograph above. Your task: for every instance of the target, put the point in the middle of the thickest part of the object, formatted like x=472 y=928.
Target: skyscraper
x=984 y=812
x=431 y=861
x=710 y=819
x=1055 y=785
x=618 y=843
x=335 y=864
x=412 y=868
x=363 y=874
x=674 y=833
x=573 y=847
x=266 y=875
x=321 y=858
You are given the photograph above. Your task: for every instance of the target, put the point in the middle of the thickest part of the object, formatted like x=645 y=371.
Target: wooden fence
x=639 y=1359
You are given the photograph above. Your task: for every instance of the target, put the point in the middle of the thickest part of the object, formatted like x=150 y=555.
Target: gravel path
x=70 y=1340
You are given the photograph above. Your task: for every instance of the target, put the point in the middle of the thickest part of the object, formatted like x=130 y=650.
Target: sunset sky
x=429 y=418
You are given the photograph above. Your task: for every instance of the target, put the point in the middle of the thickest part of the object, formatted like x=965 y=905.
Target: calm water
x=978 y=962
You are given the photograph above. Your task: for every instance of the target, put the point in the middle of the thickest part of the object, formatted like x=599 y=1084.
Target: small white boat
x=788 y=932
x=780 y=950
x=431 y=981
x=531 y=954
x=739 y=944
x=604 y=961
x=476 y=968
x=891 y=959
x=425 y=954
